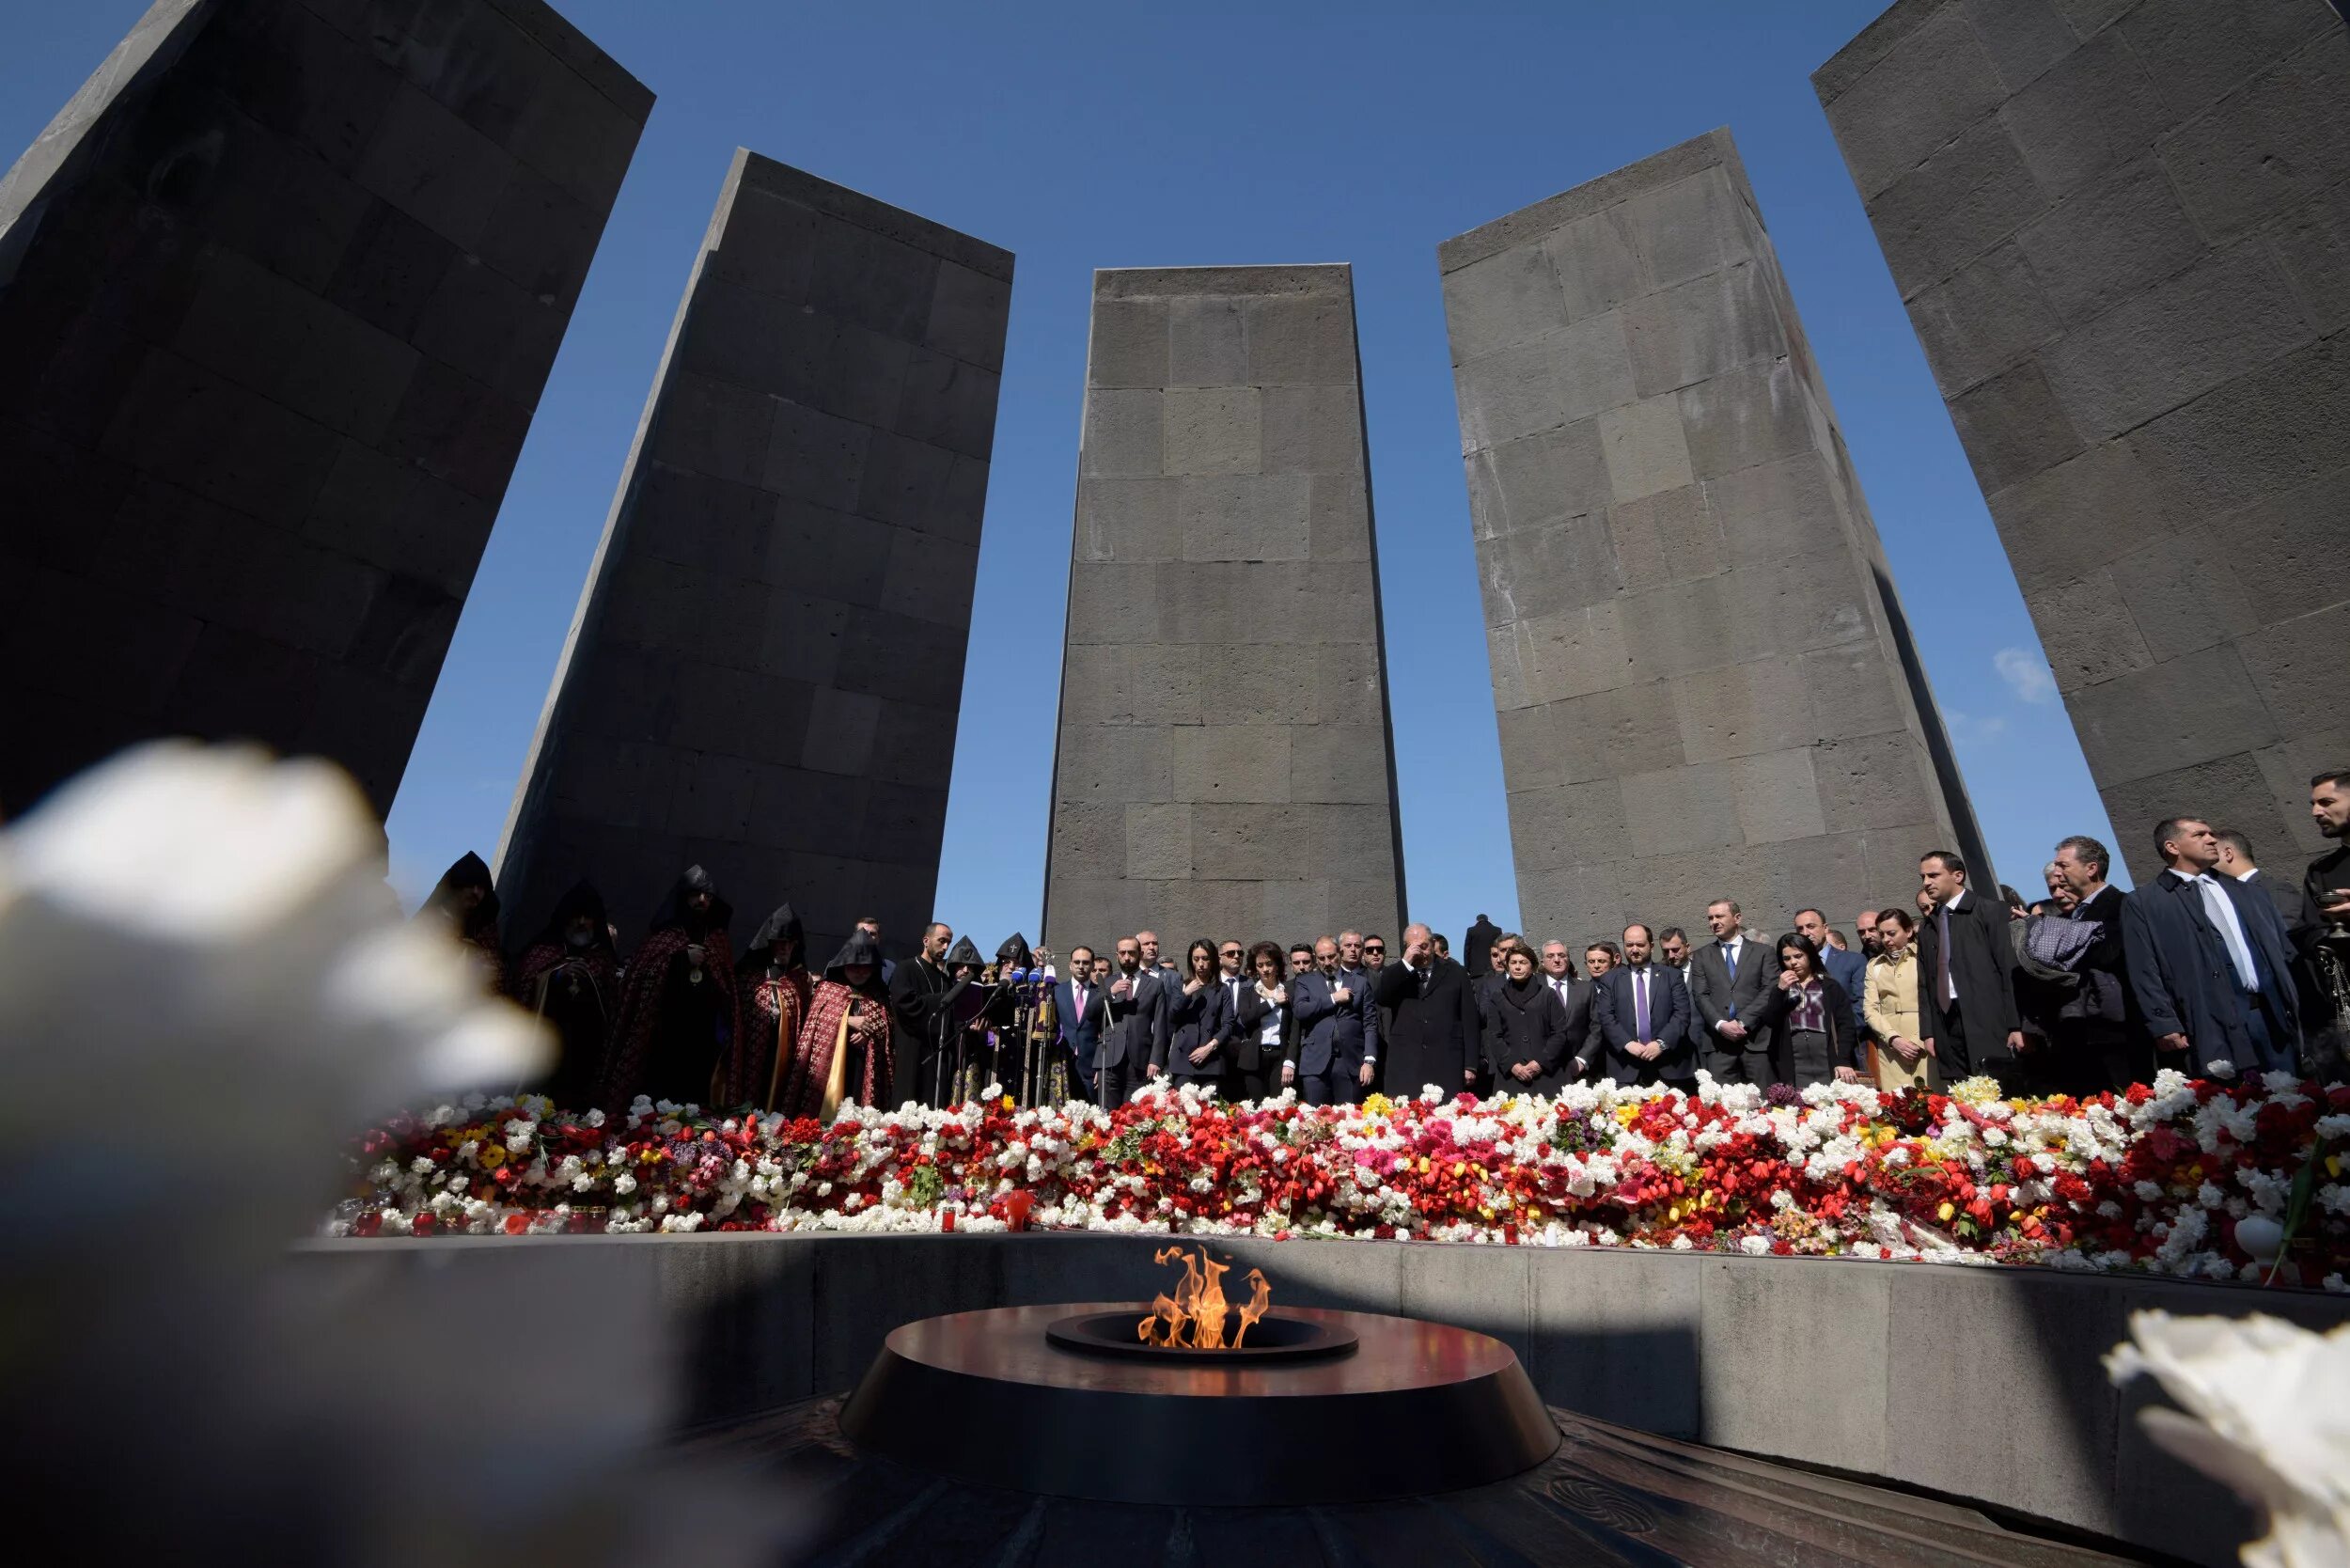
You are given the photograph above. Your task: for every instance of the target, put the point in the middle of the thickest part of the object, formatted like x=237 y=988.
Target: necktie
x=2223 y=916
x=1640 y=1004
x=1729 y=965
x=1948 y=991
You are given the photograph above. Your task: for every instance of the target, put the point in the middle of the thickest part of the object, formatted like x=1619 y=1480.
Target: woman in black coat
x=1197 y=1018
x=1809 y=1018
x=1525 y=1036
x=1261 y=1029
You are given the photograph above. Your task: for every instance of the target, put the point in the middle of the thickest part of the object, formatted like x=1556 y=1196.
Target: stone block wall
x=765 y=668
x=278 y=291
x=1704 y=677
x=1225 y=765
x=2123 y=233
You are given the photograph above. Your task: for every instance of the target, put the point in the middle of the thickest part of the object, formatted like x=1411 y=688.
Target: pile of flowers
x=2200 y=1178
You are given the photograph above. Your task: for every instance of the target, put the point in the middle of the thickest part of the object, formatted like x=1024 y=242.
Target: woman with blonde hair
x=1890 y=1001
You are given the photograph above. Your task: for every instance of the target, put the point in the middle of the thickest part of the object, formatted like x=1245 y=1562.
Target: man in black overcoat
x=2208 y=964
x=1966 y=1015
x=1436 y=1038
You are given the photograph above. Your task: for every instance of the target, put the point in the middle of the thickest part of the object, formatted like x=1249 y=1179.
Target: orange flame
x=1193 y=1318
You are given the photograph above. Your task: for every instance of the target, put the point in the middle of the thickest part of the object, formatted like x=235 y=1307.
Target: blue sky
x=1091 y=135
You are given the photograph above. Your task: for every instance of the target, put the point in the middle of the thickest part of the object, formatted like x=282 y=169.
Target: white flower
x=2263 y=1413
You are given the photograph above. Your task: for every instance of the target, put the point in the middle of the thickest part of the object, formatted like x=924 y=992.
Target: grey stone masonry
x=2123 y=233
x=1225 y=765
x=1705 y=684
x=279 y=288
x=765 y=667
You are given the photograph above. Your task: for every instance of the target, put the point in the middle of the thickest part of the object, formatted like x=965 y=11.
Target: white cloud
x=2026 y=672
x=1968 y=730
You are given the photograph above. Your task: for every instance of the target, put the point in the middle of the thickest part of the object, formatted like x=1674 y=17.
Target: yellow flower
x=1626 y=1115
x=1945 y=1210
x=1376 y=1104
x=1423 y=1164
x=2333 y=1165
x=1007 y=1102
x=492 y=1155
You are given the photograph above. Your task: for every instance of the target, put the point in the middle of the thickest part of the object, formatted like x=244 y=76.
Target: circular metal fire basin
x=1278 y=1336
x=993 y=1397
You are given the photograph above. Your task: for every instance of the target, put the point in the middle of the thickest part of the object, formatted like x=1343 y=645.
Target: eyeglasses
x=1229 y=953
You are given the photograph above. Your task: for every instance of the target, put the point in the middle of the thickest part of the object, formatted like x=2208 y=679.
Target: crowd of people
x=2087 y=989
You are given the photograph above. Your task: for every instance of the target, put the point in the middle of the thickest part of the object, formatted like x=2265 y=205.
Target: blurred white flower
x=203 y=976
x=2268 y=1411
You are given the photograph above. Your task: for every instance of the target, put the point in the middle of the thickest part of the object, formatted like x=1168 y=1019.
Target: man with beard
x=916 y=990
x=679 y=1006
x=848 y=1047
x=965 y=1060
x=465 y=902
x=2322 y=940
x=1136 y=1034
x=775 y=987
x=571 y=978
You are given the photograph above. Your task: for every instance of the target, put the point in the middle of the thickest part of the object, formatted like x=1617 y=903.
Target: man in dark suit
x=1137 y=1030
x=2093 y=1040
x=1435 y=1039
x=1575 y=994
x=1641 y=1008
x=1847 y=969
x=915 y=992
x=2208 y=962
x=1333 y=1015
x=1674 y=953
x=1478 y=947
x=1966 y=1014
x=1084 y=1010
x=1729 y=979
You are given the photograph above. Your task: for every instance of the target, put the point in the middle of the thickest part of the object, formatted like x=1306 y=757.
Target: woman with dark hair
x=846 y=1048
x=1891 y=1005
x=1198 y=1025
x=1526 y=1041
x=1810 y=1017
x=1261 y=1029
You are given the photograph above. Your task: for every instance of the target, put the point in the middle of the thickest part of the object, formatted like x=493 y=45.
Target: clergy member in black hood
x=847 y=1050
x=679 y=1009
x=464 y=901
x=571 y=977
x=971 y=1058
x=775 y=990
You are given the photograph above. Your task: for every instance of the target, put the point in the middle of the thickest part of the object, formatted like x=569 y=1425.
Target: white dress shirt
x=2220 y=909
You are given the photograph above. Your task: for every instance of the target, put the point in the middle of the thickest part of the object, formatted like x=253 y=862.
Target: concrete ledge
x=1981 y=1383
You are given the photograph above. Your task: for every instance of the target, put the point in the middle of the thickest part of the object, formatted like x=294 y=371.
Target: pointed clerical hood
x=859 y=948
x=447 y=898
x=962 y=953
x=678 y=909
x=780 y=928
x=580 y=902
x=1014 y=953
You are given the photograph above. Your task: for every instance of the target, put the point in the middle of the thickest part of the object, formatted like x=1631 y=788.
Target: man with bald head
x=1434 y=1038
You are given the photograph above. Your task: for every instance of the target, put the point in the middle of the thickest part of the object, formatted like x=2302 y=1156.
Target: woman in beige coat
x=1891 y=988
